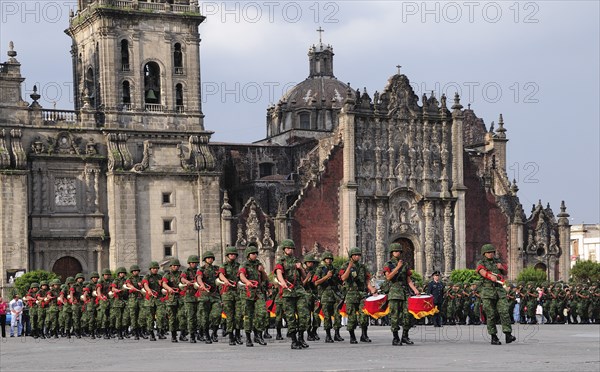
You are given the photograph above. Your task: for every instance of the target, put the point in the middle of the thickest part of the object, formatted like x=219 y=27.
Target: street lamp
x=199 y=227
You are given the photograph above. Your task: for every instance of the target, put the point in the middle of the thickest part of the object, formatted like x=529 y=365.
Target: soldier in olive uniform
x=398 y=274
x=102 y=289
x=328 y=286
x=290 y=273
x=493 y=294
x=170 y=283
x=119 y=300
x=66 y=311
x=583 y=303
x=210 y=301
x=41 y=293
x=232 y=303
x=51 y=300
x=134 y=302
x=252 y=274
x=311 y=297
x=89 y=301
x=356 y=278
x=188 y=279
x=30 y=299
x=152 y=283
x=76 y=291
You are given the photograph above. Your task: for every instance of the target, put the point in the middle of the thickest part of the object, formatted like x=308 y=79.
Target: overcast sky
x=536 y=62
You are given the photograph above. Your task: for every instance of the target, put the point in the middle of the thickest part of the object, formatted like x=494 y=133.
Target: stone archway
x=540 y=266
x=66 y=266
x=408 y=251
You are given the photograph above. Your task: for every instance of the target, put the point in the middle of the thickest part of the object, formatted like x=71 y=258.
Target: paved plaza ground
x=451 y=348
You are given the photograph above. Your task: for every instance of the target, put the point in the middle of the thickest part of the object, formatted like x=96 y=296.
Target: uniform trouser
x=233 y=311
x=133 y=309
x=34 y=315
x=67 y=317
x=76 y=312
x=91 y=312
x=399 y=314
x=279 y=315
x=296 y=313
x=171 y=313
x=355 y=315
x=493 y=308
x=314 y=320
x=329 y=310
x=531 y=306
x=41 y=318
x=52 y=318
x=116 y=314
x=191 y=310
x=249 y=314
x=151 y=312
x=582 y=310
x=103 y=314
x=209 y=312
x=261 y=320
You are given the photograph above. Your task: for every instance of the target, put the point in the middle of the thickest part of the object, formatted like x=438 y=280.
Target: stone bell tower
x=137 y=63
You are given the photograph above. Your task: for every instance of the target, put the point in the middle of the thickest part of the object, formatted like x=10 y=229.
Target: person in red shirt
x=3 y=306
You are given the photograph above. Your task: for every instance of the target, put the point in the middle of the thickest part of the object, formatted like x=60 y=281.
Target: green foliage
x=531 y=274
x=338 y=261
x=23 y=282
x=585 y=271
x=464 y=276
x=417 y=279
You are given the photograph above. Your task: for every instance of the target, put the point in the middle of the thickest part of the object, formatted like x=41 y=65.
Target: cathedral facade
x=131 y=176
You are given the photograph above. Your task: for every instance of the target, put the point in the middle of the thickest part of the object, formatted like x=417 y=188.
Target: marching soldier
x=232 y=303
x=210 y=302
x=252 y=274
x=76 y=291
x=133 y=285
x=398 y=274
x=328 y=283
x=356 y=278
x=34 y=309
x=51 y=300
x=152 y=290
x=170 y=283
x=41 y=293
x=314 y=322
x=119 y=298
x=65 y=319
x=188 y=279
x=103 y=302
x=90 y=303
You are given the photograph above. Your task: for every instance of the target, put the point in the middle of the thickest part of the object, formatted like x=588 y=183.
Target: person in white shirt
x=16 y=310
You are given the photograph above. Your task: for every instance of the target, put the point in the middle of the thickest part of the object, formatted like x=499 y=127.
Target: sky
x=535 y=62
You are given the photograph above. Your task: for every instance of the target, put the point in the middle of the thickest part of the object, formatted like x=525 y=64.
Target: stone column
x=448 y=240
x=380 y=236
x=349 y=187
x=564 y=236
x=428 y=212
x=458 y=187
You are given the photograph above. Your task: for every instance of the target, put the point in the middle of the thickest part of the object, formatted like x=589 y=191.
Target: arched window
x=125 y=55
x=178 y=59
x=126 y=99
x=304 y=120
x=179 y=106
x=90 y=87
x=152 y=86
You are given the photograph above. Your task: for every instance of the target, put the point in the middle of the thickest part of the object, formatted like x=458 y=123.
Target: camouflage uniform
x=253 y=296
x=397 y=296
x=356 y=287
x=103 y=302
x=134 y=302
x=190 y=299
x=34 y=309
x=329 y=294
x=66 y=311
x=152 y=284
x=232 y=303
x=41 y=293
x=77 y=306
x=314 y=307
x=493 y=294
x=209 y=309
x=52 y=303
x=119 y=300
x=172 y=279
x=90 y=304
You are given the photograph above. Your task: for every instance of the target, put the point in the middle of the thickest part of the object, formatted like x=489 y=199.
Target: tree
x=531 y=274
x=417 y=279
x=23 y=282
x=464 y=276
x=586 y=271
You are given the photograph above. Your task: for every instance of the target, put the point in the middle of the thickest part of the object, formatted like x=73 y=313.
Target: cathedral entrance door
x=66 y=266
x=408 y=251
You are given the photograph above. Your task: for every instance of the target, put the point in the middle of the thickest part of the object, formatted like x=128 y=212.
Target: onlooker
x=436 y=289
x=16 y=312
x=3 y=306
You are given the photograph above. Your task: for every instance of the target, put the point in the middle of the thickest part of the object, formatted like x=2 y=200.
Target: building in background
x=585 y=243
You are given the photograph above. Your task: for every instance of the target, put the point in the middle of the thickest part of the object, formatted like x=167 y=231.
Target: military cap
x=43 y=282
x=70 y=280
x=121 y=269
x=134 y=268
x=174 y=262
x=106 y=272
x=437 y=272
x=154 y=265
x=327 y=254
x=193 y=258
x=55 y=281
x=34 y=285
x=355 y=251
x=288 y=243
x=395 y=247
x=79 y=275
x=486 y=248
x=250 y=249
x=231 y=250
x=310 y=258
x=208 y=254
x=94 y=274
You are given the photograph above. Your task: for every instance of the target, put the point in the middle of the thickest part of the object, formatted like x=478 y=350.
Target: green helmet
x=395 y=247
x=154 y=265
x=310 y=258
x=174 y=262
x=55 y=281
x=43 y=282
x=70 y=280
x=231 y=250
x=327 y=254
x=354 y=251
x=193 y=258
x=34 y=285
x=94 y=274
x=208 y=254
x=287 y=243
x=134 y=268
x=106 y=272
x=251 y=249
x=79 y=275
x=121 y=269
x=487 y=248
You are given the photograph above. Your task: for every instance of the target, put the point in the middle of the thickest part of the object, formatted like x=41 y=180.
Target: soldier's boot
x=363 y=336
x=152 y=337
x=182 y=336
x=223 y=331
x=120 y=333
x=92 y=334
x=279 y=337
x=174 y=336
x=142 y=333
x=495 y=340
x=78 y=333
x=201 y=335
x=69 y=334
x=258 y=338
x=315 y=334
x=106 y=333
x=405 y=338
x=301 y=340
x=249 y=339
x=192 y=337
x=42 y=335
x=508 y=337
x=396 y=340
x=161 y=335
x=56 y=333
x=136 y=333
x=337 y=337
x=352 y=337
x=266 y=334
x=207 y=339
x=126 y=332
x=328 y=338
x=309 y=335
x=215 y=335
x=295 y=344
x=232 y=339
x=238 y=337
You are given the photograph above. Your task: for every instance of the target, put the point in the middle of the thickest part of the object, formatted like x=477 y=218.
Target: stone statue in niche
x=65 y=192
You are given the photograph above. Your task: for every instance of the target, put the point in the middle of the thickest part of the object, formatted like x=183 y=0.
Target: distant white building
x=585 y=242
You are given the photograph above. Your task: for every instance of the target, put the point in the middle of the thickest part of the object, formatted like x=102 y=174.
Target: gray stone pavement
x=451 y=348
